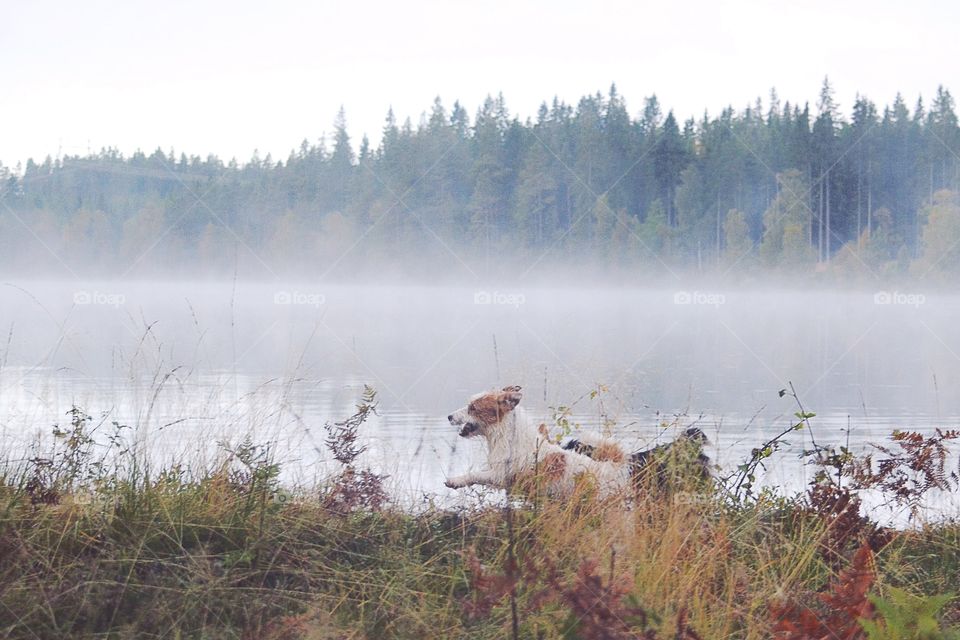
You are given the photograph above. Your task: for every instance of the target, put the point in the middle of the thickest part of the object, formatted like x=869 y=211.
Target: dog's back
x=653 y=460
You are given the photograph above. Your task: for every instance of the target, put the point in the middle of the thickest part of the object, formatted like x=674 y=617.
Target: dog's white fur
x=516 y=446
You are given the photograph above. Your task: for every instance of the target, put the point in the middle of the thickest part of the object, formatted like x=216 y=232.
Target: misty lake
x=188 y=365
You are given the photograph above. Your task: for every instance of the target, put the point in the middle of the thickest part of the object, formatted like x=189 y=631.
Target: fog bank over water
x=720 y=351
x=189 y=366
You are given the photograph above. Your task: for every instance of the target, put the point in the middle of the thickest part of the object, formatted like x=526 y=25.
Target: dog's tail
x=596 y=446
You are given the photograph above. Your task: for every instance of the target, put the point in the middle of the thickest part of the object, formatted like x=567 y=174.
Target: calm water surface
x=189 y=365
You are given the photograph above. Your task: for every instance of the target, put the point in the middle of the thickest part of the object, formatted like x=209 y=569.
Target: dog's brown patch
x=487 y=409
x=554 y=466
x=608 y=451
x=490 y=408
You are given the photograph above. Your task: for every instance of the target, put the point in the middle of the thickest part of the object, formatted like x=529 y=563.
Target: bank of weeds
x=94 y=542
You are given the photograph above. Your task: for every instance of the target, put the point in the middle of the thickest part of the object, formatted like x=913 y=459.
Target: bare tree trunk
x=828 y=219
x=810 y=209
x=869 y=200
x=718 y=229
x=820 y=225
x=859 y=200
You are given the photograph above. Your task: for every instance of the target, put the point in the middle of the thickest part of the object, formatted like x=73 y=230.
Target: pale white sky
x=228 y=77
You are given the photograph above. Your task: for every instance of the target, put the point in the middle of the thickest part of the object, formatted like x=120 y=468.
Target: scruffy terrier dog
x=518 y=449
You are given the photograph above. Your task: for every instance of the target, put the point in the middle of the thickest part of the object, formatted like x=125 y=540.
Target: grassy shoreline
x=91 y=548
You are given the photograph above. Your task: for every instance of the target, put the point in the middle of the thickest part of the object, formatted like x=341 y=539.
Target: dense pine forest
x=860 y=193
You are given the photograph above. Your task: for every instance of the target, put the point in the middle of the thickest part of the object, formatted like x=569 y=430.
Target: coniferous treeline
x=775 y=185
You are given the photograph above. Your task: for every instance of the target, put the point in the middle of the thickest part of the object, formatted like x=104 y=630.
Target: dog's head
x=484 y=411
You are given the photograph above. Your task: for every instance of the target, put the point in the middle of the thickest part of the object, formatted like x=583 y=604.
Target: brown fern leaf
x=839 y=609
x=600 y=609
x=487 y=589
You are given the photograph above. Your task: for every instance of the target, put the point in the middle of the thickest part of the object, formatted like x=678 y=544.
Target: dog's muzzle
x=469 y=429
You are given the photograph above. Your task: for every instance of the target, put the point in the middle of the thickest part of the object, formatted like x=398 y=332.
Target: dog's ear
x=510 y=397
